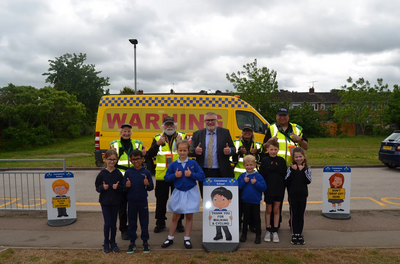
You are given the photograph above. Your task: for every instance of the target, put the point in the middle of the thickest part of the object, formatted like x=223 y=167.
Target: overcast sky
x=191 y=45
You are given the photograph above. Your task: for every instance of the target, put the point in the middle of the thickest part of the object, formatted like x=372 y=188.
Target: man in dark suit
x=214 y=159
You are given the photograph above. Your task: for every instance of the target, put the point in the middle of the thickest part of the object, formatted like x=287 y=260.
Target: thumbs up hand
x=146 y=181
x=301 y=166
x=105 y=186
x=188 y=172
x=199 y=150
x=227 y=150
x=246 y=179
x=178 y=173
x=115 y=185
x=128 y=183
x=254 y=150
x=253 y=180
x=161 y=141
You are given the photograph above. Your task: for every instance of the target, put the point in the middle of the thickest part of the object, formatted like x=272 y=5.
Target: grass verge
x=335 y=255
x=360 y=150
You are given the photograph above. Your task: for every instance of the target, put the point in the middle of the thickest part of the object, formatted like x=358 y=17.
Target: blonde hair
x=184 y=141
x=249 y=159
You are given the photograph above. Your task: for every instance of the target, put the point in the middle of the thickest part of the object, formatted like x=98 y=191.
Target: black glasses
x=136 y=159
x=210 y=120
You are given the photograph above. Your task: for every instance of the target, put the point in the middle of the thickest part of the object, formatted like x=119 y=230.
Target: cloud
x=190 y=46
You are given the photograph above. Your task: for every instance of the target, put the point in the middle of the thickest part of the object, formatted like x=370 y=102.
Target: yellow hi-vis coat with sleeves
x=163 y=151
x=239 y=168
x=124 y=159
x=284 y=143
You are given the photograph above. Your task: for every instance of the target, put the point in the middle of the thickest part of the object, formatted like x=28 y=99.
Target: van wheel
x=99 y=163
x=391 y=165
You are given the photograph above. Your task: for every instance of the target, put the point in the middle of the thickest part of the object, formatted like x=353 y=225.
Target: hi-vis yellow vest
x=239 y=169
x=285 y=143
x=163 y=151
x=124 y=159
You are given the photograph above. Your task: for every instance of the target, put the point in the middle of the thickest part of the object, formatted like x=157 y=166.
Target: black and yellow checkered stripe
x=165 y=101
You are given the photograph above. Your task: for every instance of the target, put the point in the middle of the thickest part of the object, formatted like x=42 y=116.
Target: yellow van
x=145 y=113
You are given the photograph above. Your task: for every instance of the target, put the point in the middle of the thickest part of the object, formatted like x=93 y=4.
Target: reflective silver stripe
x=240 y=160
x=240 y=170
x=165 y=153
x=161 y=165
x=282 y=152
x=116 y=147
x=123 y=162
x=237 y=144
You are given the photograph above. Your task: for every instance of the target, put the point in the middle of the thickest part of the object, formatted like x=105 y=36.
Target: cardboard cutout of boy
x=221 y=198
x=61 y=201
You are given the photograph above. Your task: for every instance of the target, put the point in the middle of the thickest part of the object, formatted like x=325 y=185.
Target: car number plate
x=387 y=147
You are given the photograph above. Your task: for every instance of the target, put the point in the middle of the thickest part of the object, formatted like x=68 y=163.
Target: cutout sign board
x=336 y=192
x=220 y=214
x=60 y=197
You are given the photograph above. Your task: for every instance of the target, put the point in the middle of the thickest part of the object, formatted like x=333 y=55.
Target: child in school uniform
x=297 y=178
x=137 y=182
x=252 y=185
x=109 y=184
x=273 y=169
x=185 y=198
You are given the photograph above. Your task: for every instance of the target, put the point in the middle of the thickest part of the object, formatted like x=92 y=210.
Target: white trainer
x=275 y=237
x=267 y=237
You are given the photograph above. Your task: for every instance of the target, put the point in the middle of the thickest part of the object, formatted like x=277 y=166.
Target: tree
x=392 y=114
x=361 y=103
x=69 y=73
x=32 y=117
x=127 y=90
x=257 y=86
x=311 y=121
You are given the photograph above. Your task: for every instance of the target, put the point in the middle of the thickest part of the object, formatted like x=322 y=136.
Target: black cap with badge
x=126 y=125
x=168 y=119
x=282 y=111
x=247 y=126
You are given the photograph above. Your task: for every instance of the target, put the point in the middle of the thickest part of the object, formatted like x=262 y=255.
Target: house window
x=315 y=106
x=293 y=105
x=322 y=106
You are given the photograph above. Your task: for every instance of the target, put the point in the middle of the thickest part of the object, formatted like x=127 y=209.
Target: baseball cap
x=247 y=126
x=126 y=125
x=282 y=111
x=168 y=119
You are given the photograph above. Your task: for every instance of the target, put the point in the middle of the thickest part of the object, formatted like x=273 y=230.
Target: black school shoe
x=159 y=228
x=188 y=244
x=257 y=240
x=243 y=238
x=167 y=243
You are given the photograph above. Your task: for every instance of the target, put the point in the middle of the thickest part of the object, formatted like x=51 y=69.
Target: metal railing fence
x=23 y=190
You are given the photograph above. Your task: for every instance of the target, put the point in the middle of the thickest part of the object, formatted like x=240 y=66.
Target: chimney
x=311 y=90
x=172 y=91
x=140 y=92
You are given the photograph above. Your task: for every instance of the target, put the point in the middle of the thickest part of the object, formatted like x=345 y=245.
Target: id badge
x=169 y=158
x=291 y=148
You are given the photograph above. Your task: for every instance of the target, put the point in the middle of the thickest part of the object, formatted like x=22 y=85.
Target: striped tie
x=210 y=150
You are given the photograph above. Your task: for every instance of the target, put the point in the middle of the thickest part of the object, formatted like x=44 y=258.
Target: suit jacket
x=223 y=137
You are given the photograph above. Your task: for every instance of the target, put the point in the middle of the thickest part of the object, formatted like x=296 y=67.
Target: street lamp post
x=134 y=42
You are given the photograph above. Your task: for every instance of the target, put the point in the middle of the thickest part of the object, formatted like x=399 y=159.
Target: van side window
x=244 y=117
